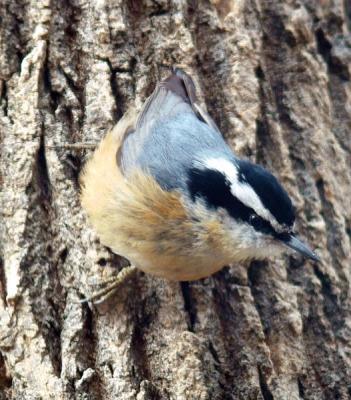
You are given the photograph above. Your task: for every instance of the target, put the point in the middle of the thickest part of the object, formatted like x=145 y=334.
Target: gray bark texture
x=275 y=76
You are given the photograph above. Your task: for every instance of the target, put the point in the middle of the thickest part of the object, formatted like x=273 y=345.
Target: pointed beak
x=294 y=243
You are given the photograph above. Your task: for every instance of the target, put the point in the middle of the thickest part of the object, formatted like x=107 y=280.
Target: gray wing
x=170 y=133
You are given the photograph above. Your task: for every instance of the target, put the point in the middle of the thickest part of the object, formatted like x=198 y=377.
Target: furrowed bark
x=275 y=76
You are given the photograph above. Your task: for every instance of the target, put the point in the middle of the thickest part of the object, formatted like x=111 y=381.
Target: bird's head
x=256 y=210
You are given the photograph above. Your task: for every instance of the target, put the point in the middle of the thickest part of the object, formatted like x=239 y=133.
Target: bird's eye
x=256 y=221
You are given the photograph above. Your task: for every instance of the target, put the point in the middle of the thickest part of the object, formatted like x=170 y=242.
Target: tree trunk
x=275 y=76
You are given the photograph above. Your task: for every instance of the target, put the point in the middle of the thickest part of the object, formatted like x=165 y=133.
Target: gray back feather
x=168 y=138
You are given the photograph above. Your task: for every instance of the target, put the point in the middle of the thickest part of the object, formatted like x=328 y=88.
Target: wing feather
x=169 y=128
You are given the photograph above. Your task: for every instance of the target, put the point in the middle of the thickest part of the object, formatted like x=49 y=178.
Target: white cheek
x=253 y=244
x=244 y=236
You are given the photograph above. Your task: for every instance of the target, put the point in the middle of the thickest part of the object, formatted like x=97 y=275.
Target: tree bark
x=275 y=76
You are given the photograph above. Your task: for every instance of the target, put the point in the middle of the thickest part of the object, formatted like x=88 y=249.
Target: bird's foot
x=109 y=286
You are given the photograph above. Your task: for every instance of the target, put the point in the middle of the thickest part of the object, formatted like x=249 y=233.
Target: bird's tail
x=172 y=95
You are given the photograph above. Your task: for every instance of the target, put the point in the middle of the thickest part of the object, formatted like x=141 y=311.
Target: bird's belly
x=177 y=268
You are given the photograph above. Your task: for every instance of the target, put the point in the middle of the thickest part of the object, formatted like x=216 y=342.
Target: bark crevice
x=275 y=76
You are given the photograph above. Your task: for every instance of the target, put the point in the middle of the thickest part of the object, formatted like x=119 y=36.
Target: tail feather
x=181 y=84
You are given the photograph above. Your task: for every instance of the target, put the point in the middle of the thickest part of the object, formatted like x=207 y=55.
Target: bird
x=164 y=190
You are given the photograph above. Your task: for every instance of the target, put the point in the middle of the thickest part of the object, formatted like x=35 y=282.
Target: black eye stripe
x=214 y=188
x=261 y=225
x=271 y=193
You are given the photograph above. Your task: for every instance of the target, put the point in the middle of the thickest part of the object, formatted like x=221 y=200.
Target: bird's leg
x=110 y=284
x=73 y=146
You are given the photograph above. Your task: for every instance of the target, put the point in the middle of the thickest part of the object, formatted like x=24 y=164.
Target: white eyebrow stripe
x=241 y=190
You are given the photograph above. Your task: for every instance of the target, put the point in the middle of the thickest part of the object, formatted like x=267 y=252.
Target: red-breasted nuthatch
x=164 y=190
